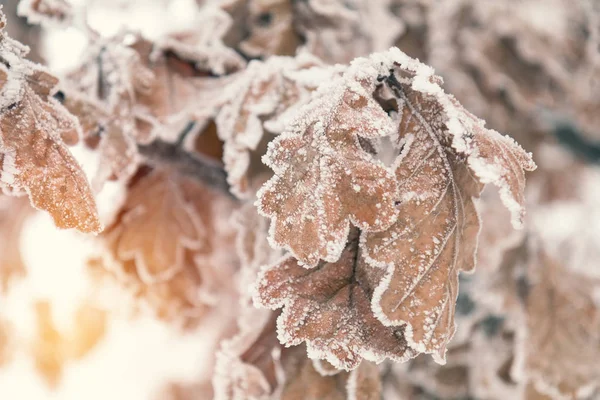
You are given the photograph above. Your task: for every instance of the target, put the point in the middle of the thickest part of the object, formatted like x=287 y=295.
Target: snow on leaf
x=329 y=308
x=204 y=44
x=447 y=156
x=33 y=130
x=263 y=96
x=562 y=319
x=323 y=178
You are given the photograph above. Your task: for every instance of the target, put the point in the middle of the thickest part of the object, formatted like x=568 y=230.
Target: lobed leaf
x=33 y=130
x=324 y=179
x=446 y=158
x=329 y=308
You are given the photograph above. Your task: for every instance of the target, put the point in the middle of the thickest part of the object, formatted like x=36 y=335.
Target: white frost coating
x=12 y=52
x=9 y=169
x=460 y=123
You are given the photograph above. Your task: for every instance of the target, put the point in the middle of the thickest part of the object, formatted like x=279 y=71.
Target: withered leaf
x=329 y=308
x=33 y=131
x=264 y=96
x=158 y=223
x=248 y=364
x=323 y=178
x=170 y=244
x=562 y=319
x=447 y=156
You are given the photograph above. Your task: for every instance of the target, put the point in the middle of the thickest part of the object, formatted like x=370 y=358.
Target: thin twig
x=194 y=166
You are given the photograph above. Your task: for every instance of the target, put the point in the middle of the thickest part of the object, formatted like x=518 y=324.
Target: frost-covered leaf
x=203 y=45
x=447 y=155
x=130 y=91
x=323 y=178
x=562 y=319
x=170 y=244
x=159 y=223
x=33 y=130
x=248 y=364
x=329 y=308
x=262 y=99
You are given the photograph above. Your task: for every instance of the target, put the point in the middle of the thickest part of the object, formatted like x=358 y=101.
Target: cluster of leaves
x=320 y=215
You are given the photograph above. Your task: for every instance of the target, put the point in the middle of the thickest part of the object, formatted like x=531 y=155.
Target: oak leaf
x=257 y=104
x=33 y=130
x=323 y=178
x=447 y=156
x=158 y=224
x=170 y=244
x=329 y=308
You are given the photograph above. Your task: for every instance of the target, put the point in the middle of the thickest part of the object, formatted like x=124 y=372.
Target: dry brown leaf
x=447 y=155
x=33 y=131
x=258 y=103
x=159 y=223
x=561 y=342
x=170 y=244
x=323 y=178
x=329 y=308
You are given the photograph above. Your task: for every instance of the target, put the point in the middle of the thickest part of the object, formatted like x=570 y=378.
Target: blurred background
x=528 y=319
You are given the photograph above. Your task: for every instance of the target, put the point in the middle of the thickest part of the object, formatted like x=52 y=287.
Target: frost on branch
x=324 y=178
x=329 y=308
x=33 y=131
x=447 y=155
x=260 y=103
